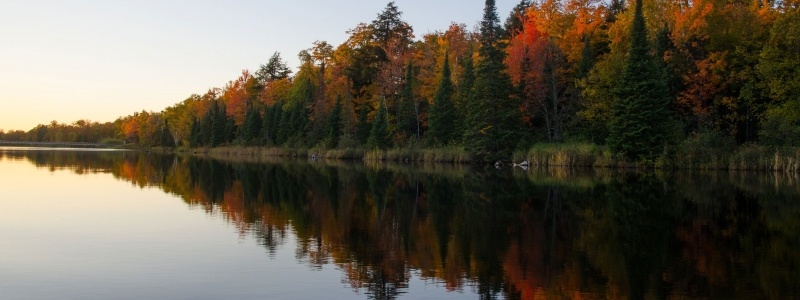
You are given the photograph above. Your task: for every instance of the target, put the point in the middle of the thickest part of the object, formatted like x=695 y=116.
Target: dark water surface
x=129 y=225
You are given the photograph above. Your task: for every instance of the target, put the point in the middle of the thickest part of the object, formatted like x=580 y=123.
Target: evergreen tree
x=194 y=134
x=379 y=135
x=271 y=123
x=517 y=18
x=388 y=26
x=275 y=69
x=639 y=124
x=251 y=127
x=207 y=125
x=219 y=125
x=363 y=128
x=165 y=138
x=299 y=120
x=465 y=93
x=335 y=122
x=587 y=59
x=406 y=119
x=443 y=113
x=491 y=128
x=281 y=124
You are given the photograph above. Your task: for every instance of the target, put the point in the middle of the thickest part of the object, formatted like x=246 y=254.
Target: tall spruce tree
x=406 y=119
x=219 y=125
x=335 y=122
x=271 y=123
x=194 y=134
x=640 y=118
x=587 y=59
x=379 y=135
x=165 y=138
x=492 y=121
x=206 y=126
x=443 y=112
x=465 y=93
x=363 y=128
x=517 y=18
x=252 y=126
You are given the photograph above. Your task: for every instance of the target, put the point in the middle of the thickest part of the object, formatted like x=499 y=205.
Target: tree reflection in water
x=504 y=234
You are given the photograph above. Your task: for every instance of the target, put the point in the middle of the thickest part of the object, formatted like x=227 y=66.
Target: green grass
x=568 y=155
x=440 y=155
x=697 y=153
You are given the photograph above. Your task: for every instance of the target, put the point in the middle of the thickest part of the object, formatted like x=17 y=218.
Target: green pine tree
x=587 y=59
x=206 y=125
x=219 y=125
x=335 y=122
x=165 y=138
x=379 y=135
x=406 y=119
x=640 y=119
x=491 y=129
x=271 y=124
x=194 y=134
x=251 y=127
x=465 y=93
x=443 y=112
x=363 y=128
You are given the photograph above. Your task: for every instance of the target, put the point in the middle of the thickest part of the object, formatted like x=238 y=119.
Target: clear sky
x=98 y=60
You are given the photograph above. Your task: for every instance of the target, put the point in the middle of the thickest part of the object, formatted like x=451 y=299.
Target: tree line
x=638 y=77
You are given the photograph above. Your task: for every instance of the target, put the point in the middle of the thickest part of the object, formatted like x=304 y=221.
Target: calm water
x=127 y=225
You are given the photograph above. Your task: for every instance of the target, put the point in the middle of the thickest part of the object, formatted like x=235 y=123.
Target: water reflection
x=504 y=234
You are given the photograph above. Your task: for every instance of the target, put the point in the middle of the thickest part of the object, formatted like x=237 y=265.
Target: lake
x=89 y=224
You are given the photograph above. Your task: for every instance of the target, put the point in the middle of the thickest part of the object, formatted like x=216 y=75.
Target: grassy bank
x=441 y=155
x=687 y=155
x=570 y=155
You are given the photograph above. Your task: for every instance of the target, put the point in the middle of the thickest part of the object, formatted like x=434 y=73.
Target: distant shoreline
x=63 y=145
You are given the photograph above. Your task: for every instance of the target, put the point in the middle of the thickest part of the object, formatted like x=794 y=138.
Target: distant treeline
x=639 y=77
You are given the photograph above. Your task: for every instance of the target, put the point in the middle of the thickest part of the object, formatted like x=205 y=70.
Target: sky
x=99 y=60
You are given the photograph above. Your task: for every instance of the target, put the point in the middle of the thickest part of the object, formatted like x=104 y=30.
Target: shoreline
x=66 y=145
x=749 y=157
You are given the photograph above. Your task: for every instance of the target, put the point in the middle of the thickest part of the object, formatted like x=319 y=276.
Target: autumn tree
x=239 y=96
x=364 y=59
x=718 y=45
x=778 y=68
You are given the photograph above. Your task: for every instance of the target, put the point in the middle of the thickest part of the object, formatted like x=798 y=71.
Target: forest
x=640 y=79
